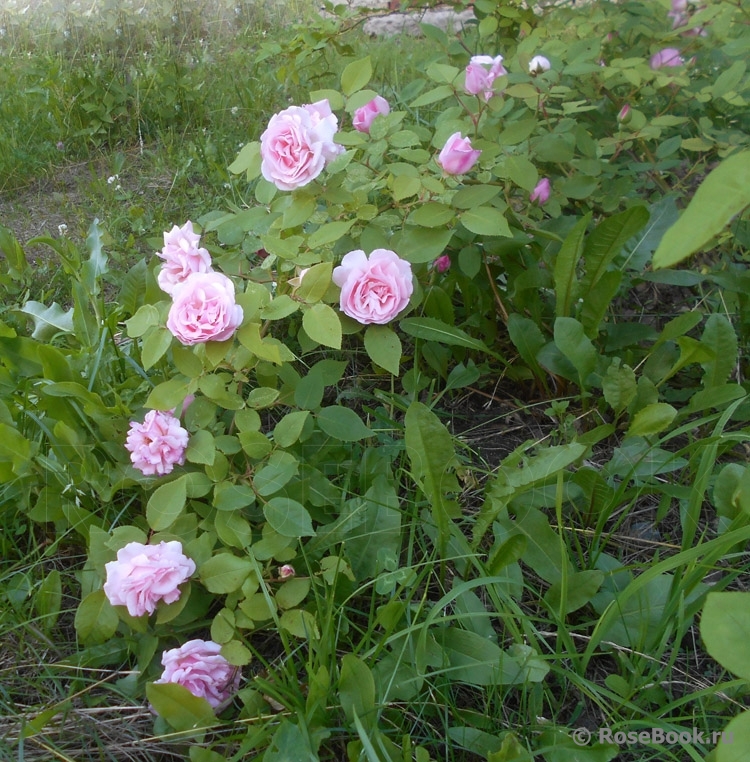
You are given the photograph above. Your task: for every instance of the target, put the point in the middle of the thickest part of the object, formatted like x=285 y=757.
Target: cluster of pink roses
x=144 y=575
x=203 y=306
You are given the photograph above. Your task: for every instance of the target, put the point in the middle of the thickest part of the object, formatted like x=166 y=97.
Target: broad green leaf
x=383 y=346
x=439 y=93
x=155 y=346
x=528 y=340
x=328 y=233
x=474 y=196
x=146 y=317
x=48 y=600
x=168 y=394
x=248 y=160
x=287 y=431
x=356 y=75
x=729 y=79
x=48 y=321
x=724 y=193
x=486 y=221
x=431 y=215
x=735 y=738
x=278 y=471
x=322 y=325
x=725 y=629
x=431 y=329
x=357 y=690
x=418 y=245
x=619 y=386
x=179 y=707
x=224 y=573
x=566 y=261
x=315 y=282
x=96 y=619
x=342 y=423
x=719 y=336
x=581 y=588
x=405 y=186
x=607 y=240
x=475 y=660
x=292 y=592
x=288 y=517
x=652 y=419
x=95 y=266
x=571 y=340
x=433 y=458
x=166 y=504
x=301 y=624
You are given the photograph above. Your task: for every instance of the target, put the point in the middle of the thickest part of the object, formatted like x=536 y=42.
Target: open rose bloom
x=143 y=575
x=182 y=256
x=203 y=309
x=481 y=72
x=297 y=144
x=374 y=289
x=199 y=666
x=157 y=444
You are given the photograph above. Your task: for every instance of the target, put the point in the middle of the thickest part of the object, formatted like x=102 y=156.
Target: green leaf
x=201 y=448
x=322 y=325
x=287 y=431
x=342 y=423
x=719 y=336
x=571 y=340
x=431 y=215
x=581 y=588
x=566 y=262
x=486 y=220
x=735 y=739
x=155 y=346
x=48 y=321
x=328 y=233
x=725 y=629
x=405 y=186
x=357 y=690
x=301 y=624
x=475 y=660
x=288 y=517
x=383 y=346
x=724 y=193
x=474 y=195
x=431 y=329
x=179 y=707
x=166 y=505
x=356 y=75
x=315 y=282
x=248 y=160
x=96 y=619
x=280 y=469
x=433 y=458
x=439 y=93
x=418 y=245
x=619 y=386
x=168 y=394
x=48 y=600
x=528 y=340
x=224 y=573
x=652 y=419
x=606 y=242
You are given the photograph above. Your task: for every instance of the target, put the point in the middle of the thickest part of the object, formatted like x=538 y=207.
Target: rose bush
x=144 y=575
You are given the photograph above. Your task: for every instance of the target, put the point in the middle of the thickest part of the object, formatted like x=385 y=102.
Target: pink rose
x=143 y=575
x=199 y=666
x=538 y=65
x=481 y=72
x=457 y=156
x=297 y=144
x=669 y=57
x=541 y=192
x=286 y=571
x=182 y=256
x=157 y=444
x=365 y=115
x=373 y=290
x=442 y=264
x=623 y=115
x=203 y=309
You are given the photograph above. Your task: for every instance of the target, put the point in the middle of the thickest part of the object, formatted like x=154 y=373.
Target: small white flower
x=538 y=65
x=62 y=228
x=112 y=179
x=234 y=109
